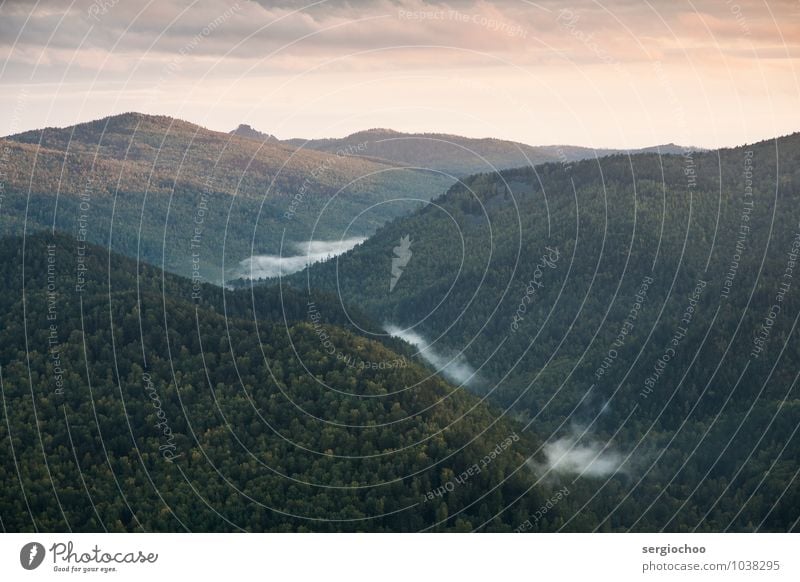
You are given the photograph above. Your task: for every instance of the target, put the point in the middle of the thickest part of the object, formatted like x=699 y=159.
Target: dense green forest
x=647 y=304
x=192 y=200
x=133 y=401
x=627 y=326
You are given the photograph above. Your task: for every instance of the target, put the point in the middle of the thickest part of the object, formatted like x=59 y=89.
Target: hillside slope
x=645 y=303
x=128 y=407
x=194 y=200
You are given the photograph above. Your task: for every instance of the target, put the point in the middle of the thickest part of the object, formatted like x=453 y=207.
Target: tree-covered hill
x=193 y=200
x=128 y=404
x=648 y=302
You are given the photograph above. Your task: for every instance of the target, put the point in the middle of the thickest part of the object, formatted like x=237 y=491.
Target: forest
x=600 y=345
x=127 y=406
x=642 y=307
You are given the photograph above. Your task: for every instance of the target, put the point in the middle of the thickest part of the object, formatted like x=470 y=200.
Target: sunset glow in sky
x=619 y=73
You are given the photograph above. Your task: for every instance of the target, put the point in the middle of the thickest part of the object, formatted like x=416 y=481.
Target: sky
x=613 y=73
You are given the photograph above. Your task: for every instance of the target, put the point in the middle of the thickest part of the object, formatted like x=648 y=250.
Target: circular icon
x=31 y=555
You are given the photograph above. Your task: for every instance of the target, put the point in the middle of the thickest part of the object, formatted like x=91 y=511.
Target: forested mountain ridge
x=650 y=299
x=181 y=195
x=133 y=401
x=616 y=317
x=458 y=155
x=187 y=152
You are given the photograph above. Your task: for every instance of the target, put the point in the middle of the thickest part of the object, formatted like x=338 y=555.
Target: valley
x=394 y=350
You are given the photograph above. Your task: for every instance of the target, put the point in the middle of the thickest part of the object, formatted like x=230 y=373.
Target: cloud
x=243 y=30
x=455 y=368
x=314 y=251
x=579 y=455
x=310 y=64
x=307 y=33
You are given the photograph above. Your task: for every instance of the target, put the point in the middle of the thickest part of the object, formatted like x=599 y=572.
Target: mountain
x=195 y=201
x=598 y=345
x=457 y=155
x=244 y=130
x=651 y=300
x=135 y=401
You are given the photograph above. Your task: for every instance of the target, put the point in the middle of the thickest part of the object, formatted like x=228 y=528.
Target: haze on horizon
x=616 y=74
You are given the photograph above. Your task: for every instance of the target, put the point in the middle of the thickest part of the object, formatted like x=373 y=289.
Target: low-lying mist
x=580 y=454
x=455 y=368
x=313 y=251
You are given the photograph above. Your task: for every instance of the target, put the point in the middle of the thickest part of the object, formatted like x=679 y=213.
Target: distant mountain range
x=198 y=202
x=193 y=200
x=458 y=155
